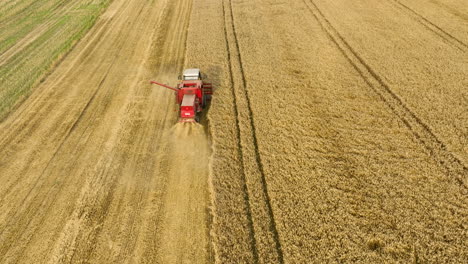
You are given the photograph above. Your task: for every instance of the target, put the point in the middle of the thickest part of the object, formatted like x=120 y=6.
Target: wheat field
x=337 y=132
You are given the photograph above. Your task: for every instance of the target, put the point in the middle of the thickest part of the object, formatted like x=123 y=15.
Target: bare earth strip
x=91 y=163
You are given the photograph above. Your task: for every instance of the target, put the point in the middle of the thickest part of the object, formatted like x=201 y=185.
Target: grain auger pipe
x=166 y=86
x=192 y=95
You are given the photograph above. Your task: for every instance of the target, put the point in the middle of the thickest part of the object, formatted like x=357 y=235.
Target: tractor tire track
x=453 y=166
x=238 y=136
x=268 y=246
x=447 y=37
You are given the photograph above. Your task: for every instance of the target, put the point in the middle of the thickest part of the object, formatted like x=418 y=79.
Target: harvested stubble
x=231 y=226
x=314 y=160
x=424 y=64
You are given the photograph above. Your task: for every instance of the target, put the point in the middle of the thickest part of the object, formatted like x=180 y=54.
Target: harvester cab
x=192 y=94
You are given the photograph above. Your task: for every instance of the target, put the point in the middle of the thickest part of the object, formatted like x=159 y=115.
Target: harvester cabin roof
x=191 y=74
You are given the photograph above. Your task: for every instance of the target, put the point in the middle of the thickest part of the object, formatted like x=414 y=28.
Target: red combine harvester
x=192 y=94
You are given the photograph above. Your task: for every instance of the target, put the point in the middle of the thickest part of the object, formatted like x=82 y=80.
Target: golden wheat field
x=337 y=132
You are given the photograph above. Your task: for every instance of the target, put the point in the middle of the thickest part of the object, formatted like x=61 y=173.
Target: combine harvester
x=192 y=94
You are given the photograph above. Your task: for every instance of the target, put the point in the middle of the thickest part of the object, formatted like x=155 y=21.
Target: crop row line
x=267 y=229
x=433 y=27
x=438 y=150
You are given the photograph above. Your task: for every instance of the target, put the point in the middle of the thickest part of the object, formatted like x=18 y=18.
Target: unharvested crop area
x=337 y=134
x=339 y=130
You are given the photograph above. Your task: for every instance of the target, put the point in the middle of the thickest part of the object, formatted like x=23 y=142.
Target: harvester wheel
x=204 y=99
